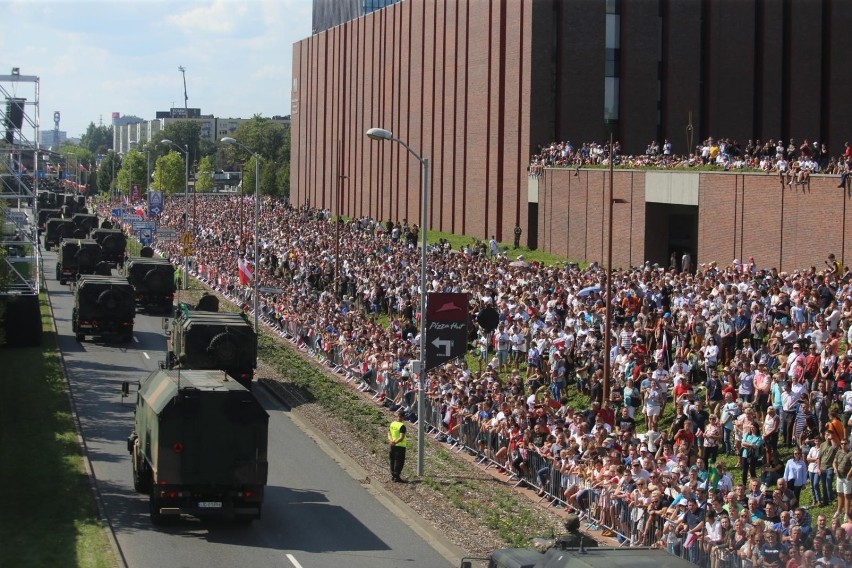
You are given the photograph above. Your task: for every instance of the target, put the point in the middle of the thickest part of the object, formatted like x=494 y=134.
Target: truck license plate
x=210 y=505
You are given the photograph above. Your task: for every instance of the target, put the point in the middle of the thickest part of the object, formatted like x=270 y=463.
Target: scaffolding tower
x=20 y=268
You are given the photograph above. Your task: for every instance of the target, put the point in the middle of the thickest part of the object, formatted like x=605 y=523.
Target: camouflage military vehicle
x=212 y=340
x=154 y=282
x=199 y=446
x=56 y=230
x=77 y=256
x=103 y=306
x=113 y=244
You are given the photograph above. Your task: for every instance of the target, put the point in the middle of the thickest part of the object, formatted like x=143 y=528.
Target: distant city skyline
x=98 y=57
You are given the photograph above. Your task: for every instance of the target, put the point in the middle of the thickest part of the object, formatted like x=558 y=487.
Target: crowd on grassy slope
x=739 y=365
x=792 y=162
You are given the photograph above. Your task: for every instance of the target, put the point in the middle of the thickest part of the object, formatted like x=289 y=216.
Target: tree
x=133 y=170
x=97 y=139
x=204 y=175
x=110 y=164
x=169 y=174
x=272 y=142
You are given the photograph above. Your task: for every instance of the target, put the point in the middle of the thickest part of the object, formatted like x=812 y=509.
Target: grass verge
x=48 y=517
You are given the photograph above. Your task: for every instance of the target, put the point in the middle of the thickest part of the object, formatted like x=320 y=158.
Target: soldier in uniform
x=574 y=536
x=517 y=235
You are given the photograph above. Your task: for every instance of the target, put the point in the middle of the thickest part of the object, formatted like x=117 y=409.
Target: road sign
x=186 y=250
x=166 y=235
x=143 y=225
x=446 y=328
x=155 y=202
x=145 y=236
x=270 y=290
x=186 y=239
x=118 y=212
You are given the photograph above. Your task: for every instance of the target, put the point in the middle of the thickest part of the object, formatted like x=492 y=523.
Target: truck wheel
x=223 y=350
x=80 y=337
x=46 y=246
x=155 y=280
x=244 y=519
x=157 y=518
x=127 y=336
x=59 y=272
x=108 y=300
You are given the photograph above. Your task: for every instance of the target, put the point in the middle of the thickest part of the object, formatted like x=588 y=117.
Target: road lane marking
x=146 y=355
x=295 y=562
x=136 y=339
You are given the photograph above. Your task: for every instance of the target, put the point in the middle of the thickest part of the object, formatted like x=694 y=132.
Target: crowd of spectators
x=792 y=162
x=739 y=363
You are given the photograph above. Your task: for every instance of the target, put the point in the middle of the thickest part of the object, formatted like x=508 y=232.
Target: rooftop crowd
x=738 y=364
x=792 y=161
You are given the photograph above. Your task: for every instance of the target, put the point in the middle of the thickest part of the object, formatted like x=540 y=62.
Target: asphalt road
x=315 y=513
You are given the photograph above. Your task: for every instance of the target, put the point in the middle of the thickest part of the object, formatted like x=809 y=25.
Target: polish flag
x=244 y=272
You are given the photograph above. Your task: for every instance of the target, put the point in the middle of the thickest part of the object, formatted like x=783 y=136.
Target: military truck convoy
x=199 y=446
x=103 y=306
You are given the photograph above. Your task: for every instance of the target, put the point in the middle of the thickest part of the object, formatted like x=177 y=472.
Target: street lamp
x=185 y=152
x=608 y=309
x=382 y=135
x=255 y=276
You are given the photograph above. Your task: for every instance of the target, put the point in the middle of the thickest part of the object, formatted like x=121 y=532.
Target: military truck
x=113 y=244
x=56 y=230
x=86 y=222
x=103 y=306
x=566 y=557
x=44 y=215
x=77 y=256
x=210 y=340
x=154 y=282
x=199 y=446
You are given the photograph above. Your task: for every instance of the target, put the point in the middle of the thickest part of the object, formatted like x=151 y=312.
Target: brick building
x=478 y=87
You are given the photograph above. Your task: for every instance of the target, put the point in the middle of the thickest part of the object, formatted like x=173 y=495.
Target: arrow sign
x=446 y=328
x=445 y=343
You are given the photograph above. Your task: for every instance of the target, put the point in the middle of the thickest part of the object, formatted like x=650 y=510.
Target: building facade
x=478 y=87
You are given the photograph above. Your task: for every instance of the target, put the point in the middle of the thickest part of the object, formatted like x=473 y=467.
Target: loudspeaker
x=14 y=117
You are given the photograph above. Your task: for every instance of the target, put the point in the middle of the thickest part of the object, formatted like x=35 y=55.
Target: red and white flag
x=245 y=274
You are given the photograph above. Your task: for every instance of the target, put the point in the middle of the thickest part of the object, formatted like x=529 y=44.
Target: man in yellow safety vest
x=398 y=441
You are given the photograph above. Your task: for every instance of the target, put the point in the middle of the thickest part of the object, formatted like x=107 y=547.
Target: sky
x=99 y=57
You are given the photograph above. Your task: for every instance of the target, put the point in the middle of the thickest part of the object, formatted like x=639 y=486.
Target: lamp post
x=382 y=135
x=255 y=276
x=608 y=308
x=185 y=152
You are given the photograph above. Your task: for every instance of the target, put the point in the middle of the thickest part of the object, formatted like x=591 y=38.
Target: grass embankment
x=48 y=516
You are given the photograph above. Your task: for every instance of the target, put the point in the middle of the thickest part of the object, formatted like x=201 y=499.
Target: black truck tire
x=155 y=280
x=108 y=300
x=88 y=257
x=223 y=350
x=103 y=268
x=107 y=224
x=80 y=233
x=157 y=518
x=146 y=252
x=141 y=474
x=111 y=244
